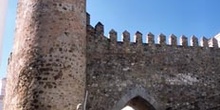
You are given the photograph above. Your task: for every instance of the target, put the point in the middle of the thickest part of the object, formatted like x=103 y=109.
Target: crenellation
x=181 y=68
x=194 y=41
x=126 y=41
x=127 y=46
x=204 y=42
x=113 y=39
x=215 y=42
x=99 y=29
x=184 y=41
x=138 y=41
x=150 y=38
x=162 y=39
x=67 y=64
x=138 y=38
x=126 y=37
x=173 y=40
x=100 y=41
x=87 y=19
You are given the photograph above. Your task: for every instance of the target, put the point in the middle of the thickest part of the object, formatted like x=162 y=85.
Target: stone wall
x=46 y=69
x=54 y=61
x=169 y=77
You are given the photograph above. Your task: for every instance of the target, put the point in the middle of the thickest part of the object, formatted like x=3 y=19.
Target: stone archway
x=141 y=97
x=138 y=103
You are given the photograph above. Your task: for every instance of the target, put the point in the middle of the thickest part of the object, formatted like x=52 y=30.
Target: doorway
x=138 y=103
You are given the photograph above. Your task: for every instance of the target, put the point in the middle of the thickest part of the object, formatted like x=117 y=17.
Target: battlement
x=168 y=65
x=96 y=37
x=66 y=63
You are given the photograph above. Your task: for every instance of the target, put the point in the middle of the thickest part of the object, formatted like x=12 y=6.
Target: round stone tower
x=47 y=66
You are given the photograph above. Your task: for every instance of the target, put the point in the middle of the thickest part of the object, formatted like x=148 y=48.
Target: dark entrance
x=138 y=103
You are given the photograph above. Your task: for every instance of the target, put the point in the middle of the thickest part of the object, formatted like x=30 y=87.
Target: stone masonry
x=168 y=76
x=61 y=62
x=47 y=66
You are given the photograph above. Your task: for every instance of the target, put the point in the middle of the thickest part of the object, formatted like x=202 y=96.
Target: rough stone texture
x=53 y=55
x=169 y=77
x=47 y=65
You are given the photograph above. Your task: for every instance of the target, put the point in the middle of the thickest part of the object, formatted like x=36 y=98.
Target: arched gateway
x=137 y=99
x=138 y=103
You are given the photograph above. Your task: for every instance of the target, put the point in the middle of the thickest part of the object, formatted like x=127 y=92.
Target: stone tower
x=47 y=66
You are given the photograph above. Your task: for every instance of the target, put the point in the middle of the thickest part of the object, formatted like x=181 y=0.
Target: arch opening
x=138 y=103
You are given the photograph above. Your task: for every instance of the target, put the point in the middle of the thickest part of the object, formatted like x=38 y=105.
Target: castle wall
x=169 y=77
x=47 y=66
x=55 y=62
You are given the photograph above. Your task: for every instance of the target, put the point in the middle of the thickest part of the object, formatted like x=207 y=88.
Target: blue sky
x=188 y=17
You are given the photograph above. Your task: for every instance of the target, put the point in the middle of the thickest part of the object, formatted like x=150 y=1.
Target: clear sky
x=188 y=17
